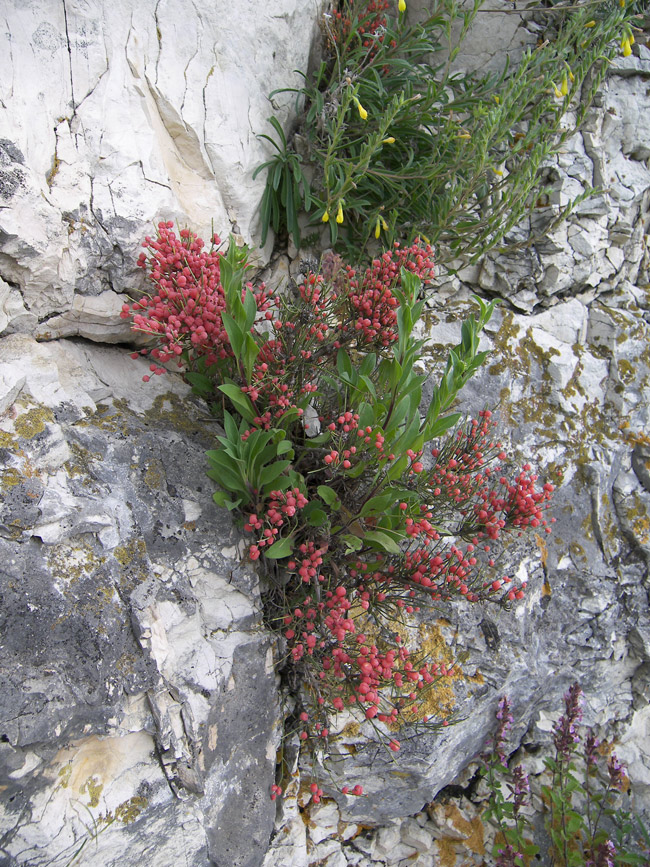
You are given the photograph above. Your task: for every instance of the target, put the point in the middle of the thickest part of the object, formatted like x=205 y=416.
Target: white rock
x=413 y=834
x=387 y=845
x=324 y=820
x=118 y=115
x=289 y=846
x=95 y=318
x=566 y=321
x=13 y=315
x=328 y=854
x=421 y=860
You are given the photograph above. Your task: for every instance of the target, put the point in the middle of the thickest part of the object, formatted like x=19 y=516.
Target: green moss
x=10 y=477
x=154 y=476
x=7 y=441
x=72 y=563
x=170 y=410
x=64 y=775
x=626 y=371
x=80 y=462
x=129 y=810
x=31 y=423
x=134 y=563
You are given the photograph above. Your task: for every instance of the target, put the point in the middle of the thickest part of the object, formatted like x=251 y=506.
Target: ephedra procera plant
x=363 y=505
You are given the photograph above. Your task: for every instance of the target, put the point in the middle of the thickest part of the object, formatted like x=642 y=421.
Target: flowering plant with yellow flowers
x=398 y=143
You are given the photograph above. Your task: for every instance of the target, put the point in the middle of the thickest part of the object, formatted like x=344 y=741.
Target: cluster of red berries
x=370 y=27
x=184 y=312
x=281 y=506
x=372 y=297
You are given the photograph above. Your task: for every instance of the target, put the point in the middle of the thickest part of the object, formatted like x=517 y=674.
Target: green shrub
x=400 y=145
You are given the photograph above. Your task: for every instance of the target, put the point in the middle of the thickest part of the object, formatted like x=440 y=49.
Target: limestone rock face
x=139 y=692
x=116 y=115
x=139 y=715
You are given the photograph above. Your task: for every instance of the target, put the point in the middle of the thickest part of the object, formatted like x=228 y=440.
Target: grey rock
x=129 y=628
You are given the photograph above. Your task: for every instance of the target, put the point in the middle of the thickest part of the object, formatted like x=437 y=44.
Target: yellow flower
x=401 y=6
x=591 y=23
x=627 y=48
x=564 y=89
x=496 y=99
x=325 y=217
x=558 y=92
x=339 y=215
x=389 y=140
x=363 y=114
x=630 y=38
x=621 y=3
x=381 y=224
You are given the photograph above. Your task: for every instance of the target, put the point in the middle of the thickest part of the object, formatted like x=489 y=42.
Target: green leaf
x=227 y=478
x=234 y=332
x=221 y=498
x=575 y=823
x=250 y=309
x=437 y=427
x=379 y=504
x=231 y=429
x=343 y=363
x=317 y=518
x=272 y=472
x=353 y=543
x=201 y=384
x=285 y=447
x=368 y=364
x=281 y=548
x=327 y=494
x=366 y=416
x=239 y=400
x=378 y=539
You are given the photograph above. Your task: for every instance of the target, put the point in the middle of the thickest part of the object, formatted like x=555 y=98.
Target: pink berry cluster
x=183 y=313
x=372 y=26
x=372 y=297
x=282 y=505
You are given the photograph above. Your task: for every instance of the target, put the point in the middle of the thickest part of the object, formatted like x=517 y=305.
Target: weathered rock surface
x=114 y=116
x=138 y=711
x=139 y=714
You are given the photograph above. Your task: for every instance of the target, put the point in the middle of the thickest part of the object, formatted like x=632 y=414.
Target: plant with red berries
x=363 y=505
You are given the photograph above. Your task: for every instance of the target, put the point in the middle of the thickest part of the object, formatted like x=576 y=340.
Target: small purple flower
x=591 y=746
x=505 y=724
x=617 y=774
x=520 y=789
x=603 y=856
x=508 y=857
x=565 y=733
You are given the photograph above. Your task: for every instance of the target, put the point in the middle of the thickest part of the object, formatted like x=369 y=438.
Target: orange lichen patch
x=472 y=829
x=438 y=699
x=634 y=438
x=543 y=548
x=446 y=852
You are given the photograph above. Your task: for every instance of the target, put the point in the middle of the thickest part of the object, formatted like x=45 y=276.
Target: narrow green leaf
x=272 y=472
x=238 y=399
